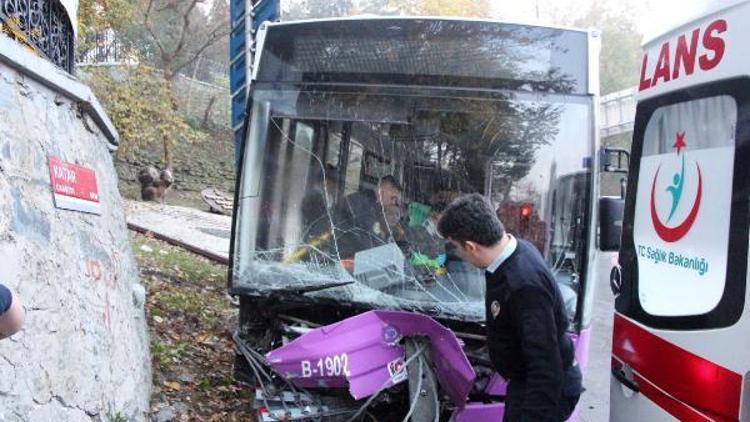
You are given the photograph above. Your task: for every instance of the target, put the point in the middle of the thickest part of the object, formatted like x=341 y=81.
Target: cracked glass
x=347 y=207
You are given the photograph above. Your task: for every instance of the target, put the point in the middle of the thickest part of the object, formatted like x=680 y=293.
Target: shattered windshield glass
x=341 y=192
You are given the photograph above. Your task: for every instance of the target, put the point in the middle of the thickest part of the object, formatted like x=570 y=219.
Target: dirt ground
x=191 y=320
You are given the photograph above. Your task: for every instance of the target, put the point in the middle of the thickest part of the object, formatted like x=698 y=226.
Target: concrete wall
x=83 y=353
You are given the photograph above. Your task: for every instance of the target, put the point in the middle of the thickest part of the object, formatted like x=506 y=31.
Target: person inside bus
x=317 y=203
x=394 y=230
x=11 y=313
x=428 y=249
x=424 y=242
x=367 y=219
x=423 y=245
x=422 y=236
x=526 y=318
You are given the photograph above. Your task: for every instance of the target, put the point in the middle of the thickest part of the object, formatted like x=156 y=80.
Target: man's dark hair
x=390 y=180
x=471 y=218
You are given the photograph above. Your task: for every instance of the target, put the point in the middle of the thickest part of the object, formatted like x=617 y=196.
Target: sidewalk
x=198 y=231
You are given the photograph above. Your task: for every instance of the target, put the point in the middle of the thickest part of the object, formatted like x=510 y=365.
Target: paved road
x=595 y=401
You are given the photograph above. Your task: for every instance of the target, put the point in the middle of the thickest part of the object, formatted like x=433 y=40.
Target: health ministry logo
x=675 y=232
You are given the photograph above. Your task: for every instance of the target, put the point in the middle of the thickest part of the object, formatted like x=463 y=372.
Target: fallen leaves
x=172 y=385
x=190 y=319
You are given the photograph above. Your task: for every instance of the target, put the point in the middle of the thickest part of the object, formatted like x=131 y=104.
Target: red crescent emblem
x=673 y=234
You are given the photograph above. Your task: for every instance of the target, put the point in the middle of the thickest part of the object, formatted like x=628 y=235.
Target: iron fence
x=101 y=48
x=43 y=25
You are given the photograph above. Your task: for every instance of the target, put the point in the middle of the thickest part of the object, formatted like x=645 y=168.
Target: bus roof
x=418 y=51
x=708 y=48
x=429 y=18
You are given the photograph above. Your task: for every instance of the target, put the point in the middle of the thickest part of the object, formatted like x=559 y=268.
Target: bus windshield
x=342 y=187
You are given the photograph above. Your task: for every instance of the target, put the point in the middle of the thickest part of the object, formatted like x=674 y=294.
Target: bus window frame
x=731 y=305
x=582 y=318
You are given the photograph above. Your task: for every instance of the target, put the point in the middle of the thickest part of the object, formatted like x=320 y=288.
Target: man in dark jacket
x=526 y=318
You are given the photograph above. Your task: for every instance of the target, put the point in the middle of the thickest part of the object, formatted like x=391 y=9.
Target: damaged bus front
x=360 y=131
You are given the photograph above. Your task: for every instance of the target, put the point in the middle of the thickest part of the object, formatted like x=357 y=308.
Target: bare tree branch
x=151 y=30
x=184 y=31
x=183 y=44
x=220 y=31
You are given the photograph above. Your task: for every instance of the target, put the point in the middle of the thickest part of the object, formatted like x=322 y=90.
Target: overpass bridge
x=617 y=113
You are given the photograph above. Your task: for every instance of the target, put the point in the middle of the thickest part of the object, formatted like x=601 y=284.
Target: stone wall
x=83 y=353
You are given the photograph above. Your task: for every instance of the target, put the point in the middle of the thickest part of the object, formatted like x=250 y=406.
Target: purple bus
x=359 y=131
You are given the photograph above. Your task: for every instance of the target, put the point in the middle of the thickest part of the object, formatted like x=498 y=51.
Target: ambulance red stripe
x=697 y=383
x=673 y=406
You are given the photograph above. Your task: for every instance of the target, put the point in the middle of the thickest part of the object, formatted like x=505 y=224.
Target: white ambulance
x=681 y=343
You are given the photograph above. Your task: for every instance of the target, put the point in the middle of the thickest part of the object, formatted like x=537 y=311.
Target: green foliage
x=159 y=353
x=182 y=263
x=139 y=102
x=167 y=354
x=118 y=418
x=194 y=122
x=168 y=36
x=96 y=16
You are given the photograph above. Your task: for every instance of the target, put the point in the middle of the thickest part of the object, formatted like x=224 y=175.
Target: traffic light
x=524 y=217
x=526 y=211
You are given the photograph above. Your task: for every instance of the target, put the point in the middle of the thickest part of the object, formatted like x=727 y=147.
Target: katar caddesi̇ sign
x=74 y=187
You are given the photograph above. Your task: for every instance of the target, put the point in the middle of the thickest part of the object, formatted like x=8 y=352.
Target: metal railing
x=101 y=48
x=42 y=25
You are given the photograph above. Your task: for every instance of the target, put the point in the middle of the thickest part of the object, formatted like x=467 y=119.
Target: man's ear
x=471 y=246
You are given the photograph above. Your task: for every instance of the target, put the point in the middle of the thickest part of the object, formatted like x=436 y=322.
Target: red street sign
x=74 y=187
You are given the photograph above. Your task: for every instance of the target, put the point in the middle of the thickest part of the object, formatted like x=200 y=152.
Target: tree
x=465 y=8
x=621 y=47
x=138 y=101
x=172 y=35
x=219 y=15
x=179 y=32
x=97 y=16
x=621 y=38
x=166 y=37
